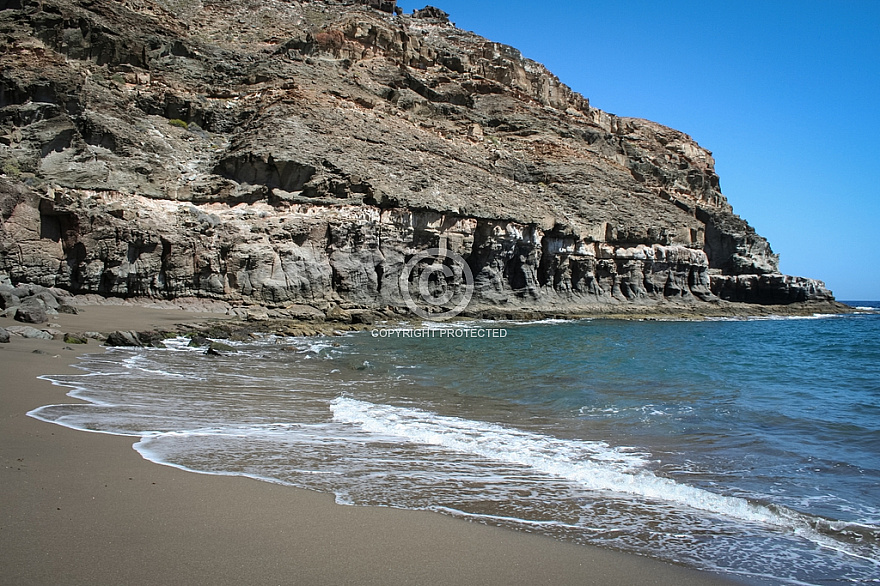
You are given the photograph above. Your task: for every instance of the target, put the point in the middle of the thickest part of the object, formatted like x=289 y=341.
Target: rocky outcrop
x=769 y=289
x=432 y=13
x=32 y=311
x=383 y=5
x=302 y=153
x=31 y=303
x=153 y=339
x=310 y=254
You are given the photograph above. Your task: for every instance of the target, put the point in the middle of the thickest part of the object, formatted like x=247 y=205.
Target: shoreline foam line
x=589 y=464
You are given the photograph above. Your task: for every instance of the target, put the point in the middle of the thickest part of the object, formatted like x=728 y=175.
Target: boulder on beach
x=32 y=310
x=121 y=338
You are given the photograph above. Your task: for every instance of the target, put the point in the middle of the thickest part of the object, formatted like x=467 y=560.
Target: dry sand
x=85 y=508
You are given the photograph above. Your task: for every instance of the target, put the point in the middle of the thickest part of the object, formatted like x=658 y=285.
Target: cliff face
x=281 y=152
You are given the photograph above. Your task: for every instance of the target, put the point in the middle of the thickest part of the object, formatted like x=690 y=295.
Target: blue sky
x=785 y=94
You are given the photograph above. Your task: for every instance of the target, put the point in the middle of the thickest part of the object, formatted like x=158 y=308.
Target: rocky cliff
x=282 y=151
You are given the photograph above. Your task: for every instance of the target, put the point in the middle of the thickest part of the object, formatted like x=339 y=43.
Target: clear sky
x=786 y=94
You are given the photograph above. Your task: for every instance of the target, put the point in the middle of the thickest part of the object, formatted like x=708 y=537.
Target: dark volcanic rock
x=772 y=289
x=152 y=338
x=300 y=154
x=431 y=12
x=216 y=346
x=8 y=300
x=30 y=332
x=120 y=338
x=4 y=336
x=199 y=341
x=32 y=310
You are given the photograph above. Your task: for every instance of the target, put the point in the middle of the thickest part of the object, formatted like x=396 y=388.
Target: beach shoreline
x=86 y=508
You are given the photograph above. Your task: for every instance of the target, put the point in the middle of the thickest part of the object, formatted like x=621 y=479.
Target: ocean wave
x=814 y=316
x=591 y=464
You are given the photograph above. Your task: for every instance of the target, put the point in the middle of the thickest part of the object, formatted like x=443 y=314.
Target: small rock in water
x=198 y=342
x=221 y=347
x=152 y=338
x=120 y=338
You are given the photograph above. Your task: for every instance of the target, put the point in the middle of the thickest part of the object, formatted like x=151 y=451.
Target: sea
x=749 y=448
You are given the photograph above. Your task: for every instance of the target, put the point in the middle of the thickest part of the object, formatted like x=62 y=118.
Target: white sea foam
x=72 y=421
x=593 y=465
x=778 y=317
x=485 y=439
x=181 y=344
x=445 y=325
x=138 y=362
x=313 y=345
x=649 y=409
x=540 y=322
x=500 y=518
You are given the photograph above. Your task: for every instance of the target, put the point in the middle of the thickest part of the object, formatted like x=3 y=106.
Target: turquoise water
x=749 y=448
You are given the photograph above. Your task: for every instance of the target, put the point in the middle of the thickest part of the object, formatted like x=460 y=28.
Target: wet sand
x=85 y=508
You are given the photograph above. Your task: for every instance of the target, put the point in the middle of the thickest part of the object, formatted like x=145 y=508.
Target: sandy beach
x=85 y=508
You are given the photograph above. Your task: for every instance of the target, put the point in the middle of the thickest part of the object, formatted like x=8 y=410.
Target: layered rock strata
x=303 y=152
